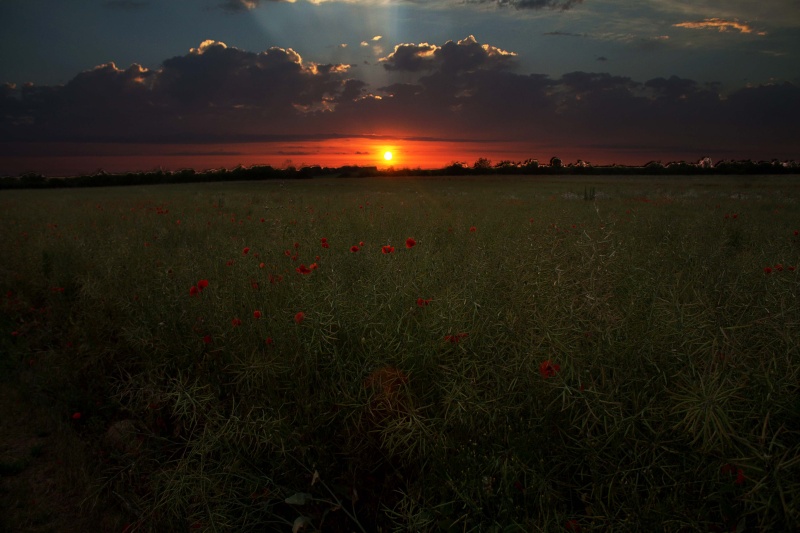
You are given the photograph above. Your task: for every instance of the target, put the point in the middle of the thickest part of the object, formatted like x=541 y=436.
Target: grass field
x=549 y=354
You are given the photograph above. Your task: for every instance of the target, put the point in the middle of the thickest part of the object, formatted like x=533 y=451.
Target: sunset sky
x=137 y=84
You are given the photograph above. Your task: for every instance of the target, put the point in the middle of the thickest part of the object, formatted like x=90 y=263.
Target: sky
x=138 y=85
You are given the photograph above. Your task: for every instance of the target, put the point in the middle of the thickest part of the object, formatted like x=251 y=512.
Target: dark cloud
x=532 y=4
x=564 y=34
x=452 y=57
x=459 y=90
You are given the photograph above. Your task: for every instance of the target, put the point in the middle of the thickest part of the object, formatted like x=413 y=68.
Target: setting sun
x=387 y=156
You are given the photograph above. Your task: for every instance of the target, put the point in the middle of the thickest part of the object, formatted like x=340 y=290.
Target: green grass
x=675 y=406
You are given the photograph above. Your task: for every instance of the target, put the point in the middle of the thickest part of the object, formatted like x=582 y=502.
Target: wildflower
x=296 y=245
x=732 y=470
x=302 y=269
x=361 y=244
x=269 y=341
x=207 y=339
x=324 y=242
x=194 y=291
x=455 y=339
x=791 y=269
x=236 y=322
x=76 y=415
x=256 y=314
x=313 y=266
x=387 y=249
x=275 y=278
x=287 y=253
x=573 y=526
x=354 y=248
x=473 y=229
x=15 y=333
x=421 y=302
x=245 y=251
x=410 y=243
x=299 y=317
x=229 y=263
x=796 y=233
x=767 y=270
x=779 y=267
x=261 y=265
x=202 y=284
x=548 y=369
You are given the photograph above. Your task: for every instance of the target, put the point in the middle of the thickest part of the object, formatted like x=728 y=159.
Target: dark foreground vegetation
x=419 y=355
x=481 y=167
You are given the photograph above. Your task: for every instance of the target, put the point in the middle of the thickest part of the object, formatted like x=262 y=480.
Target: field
x=465 y=354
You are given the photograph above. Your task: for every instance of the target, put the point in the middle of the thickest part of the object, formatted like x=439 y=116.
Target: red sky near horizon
x=222 y=83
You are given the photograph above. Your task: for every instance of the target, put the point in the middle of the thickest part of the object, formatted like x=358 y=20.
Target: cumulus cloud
x=718 y=24
x=456 y=90
x=466 y=54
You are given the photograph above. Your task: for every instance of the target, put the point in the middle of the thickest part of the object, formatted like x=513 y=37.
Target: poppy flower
x=313 y=266
x=421 y=302
x=354 y=248
x=261 y=265
x=76 y=416
x=287 y=253
x=296 y=245
x=245 y=251
x=236 y=322
x=796 y=233
x=207 y=339
x=361 y=244
x=410 y=243
x=194 y=291
x=548 y=369
x=473 y=229
x=302 y=269
x=269 y=341
x=455 y=339
x=326 y=245
x=573 y=526
x=767 y=270
x=256 y=314
x=299 y=317
x=387 y=249
x=202 y=284
x=275 y=278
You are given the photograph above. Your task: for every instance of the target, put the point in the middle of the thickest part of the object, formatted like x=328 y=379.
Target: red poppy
x=229 y=263
x=573 y=526
x=473 y=229
x=269 y=341
x=779 y=267
x=548 y=369
x=387 y=249
x=361 y=244
x=275 y=278
x=455 y=339
x=194 y=291
x=76 y=416
x=296 y=245
x=410 y=243
x=326 y=245
x=256 y=314
x=767 y=270
x=236 y=322
x=245 y=251
x=202 y=284
x=791 y=269
x=354 y=248
x=313 y=266
x=299 y=317
x=287 y=253
x=303 y=269
x=796 y=233
x=207 y=339
x=421 y=302
x=261 y=265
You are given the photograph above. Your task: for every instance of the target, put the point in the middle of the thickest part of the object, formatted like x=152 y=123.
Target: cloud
x=531 y=4
x=466 y=54
x=457 y=90
x=718 y=24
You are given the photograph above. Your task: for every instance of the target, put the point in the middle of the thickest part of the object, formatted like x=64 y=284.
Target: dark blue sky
x=616 y=80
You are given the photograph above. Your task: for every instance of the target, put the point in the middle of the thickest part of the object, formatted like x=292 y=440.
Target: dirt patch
x=46 y=472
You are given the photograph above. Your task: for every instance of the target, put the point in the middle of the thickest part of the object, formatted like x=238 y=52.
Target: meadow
x=445 y=354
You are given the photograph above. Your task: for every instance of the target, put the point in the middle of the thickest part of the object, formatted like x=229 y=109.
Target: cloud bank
x=455 y=90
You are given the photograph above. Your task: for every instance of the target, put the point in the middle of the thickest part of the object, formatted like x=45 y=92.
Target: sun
x=387 y=156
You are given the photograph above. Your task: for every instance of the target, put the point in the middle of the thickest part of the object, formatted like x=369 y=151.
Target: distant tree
x=482 y=164
x=555 y=162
